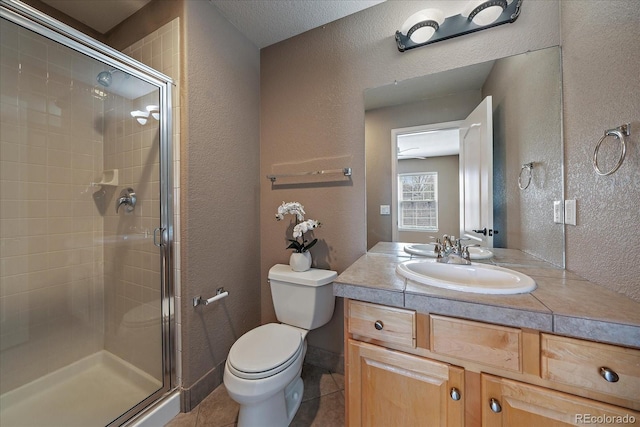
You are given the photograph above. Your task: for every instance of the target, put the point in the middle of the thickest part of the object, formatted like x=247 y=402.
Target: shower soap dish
x=109 y=177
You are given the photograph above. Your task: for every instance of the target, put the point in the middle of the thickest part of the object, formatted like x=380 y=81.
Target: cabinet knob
x=495 y=405
x=609 y=374
x=455 y=394
x=379 y=325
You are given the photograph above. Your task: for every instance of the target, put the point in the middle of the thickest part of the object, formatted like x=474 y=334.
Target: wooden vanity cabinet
x=386 y=387
x=391 y=388
x=409 y=369
x=513 y=403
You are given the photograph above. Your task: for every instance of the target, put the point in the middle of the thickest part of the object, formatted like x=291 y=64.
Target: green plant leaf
x=310 y=245
x=295 y=245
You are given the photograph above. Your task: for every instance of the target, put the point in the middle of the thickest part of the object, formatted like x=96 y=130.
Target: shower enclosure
x=86 y=298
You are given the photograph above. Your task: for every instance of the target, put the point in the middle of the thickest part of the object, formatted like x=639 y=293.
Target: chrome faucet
x=451 y=251
x=127 y=198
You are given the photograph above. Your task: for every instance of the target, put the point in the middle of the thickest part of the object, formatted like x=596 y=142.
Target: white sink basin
x=475 y=278
x=426 y=249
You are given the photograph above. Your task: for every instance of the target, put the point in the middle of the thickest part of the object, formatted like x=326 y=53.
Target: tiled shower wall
x=161 y=51
x=51 y=150
x=55 y=305
x=131 y=260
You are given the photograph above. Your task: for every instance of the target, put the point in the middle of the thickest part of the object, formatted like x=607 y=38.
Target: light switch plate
x=558 y=212
x=385 y=210
x=570 y=213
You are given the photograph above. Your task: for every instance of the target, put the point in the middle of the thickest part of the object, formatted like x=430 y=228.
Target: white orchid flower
x=293 y=208
x=303 y=227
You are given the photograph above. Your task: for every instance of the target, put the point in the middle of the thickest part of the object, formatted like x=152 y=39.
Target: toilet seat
x=265 y=351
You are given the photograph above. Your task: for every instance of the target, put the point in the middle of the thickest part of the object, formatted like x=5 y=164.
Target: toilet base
x=293 y=397
x=276 y=411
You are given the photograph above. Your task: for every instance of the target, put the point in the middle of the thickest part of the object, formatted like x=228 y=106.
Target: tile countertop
x=563 y=302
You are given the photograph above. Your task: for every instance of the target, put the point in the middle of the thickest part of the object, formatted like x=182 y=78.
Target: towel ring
x=621 y=133
x=527 y=167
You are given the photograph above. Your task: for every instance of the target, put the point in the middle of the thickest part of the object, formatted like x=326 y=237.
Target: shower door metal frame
x=34 y=20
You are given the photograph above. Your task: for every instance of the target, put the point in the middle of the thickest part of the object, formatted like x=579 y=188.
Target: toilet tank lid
x=311 y=277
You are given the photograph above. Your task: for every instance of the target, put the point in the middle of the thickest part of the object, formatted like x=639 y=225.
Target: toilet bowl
x=260 y=366
x=263 y=368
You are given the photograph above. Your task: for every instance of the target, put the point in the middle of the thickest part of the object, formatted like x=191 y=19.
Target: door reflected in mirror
x=432 y=191
x=425 y=200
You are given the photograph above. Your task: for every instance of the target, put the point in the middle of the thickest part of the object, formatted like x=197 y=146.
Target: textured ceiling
x=268 y=22
x=100 y=15
x=429 y=86
x=264 y=22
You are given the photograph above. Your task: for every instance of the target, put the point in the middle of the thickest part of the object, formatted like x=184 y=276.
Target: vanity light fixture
x=430 y=25
x=140 y=116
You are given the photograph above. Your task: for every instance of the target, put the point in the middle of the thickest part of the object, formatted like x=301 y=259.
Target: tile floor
x=322 y=404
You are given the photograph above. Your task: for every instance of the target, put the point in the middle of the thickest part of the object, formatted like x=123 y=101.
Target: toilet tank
x=303 y=299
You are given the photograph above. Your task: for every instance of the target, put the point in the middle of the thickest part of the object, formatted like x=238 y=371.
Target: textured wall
x=601 y=59
x=312 y=107
x=220 y=198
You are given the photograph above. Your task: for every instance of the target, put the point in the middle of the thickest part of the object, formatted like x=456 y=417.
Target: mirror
x=526 y=108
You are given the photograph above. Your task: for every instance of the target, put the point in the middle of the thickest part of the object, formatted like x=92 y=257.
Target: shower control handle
x=127 y=198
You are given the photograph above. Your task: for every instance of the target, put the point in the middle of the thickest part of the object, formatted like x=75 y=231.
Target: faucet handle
x=437 y=249
x=465 y=253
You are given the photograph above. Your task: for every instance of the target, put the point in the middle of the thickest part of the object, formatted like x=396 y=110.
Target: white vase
x=300 y=261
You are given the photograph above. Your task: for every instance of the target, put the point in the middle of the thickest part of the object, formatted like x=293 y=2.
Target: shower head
x=105 y=78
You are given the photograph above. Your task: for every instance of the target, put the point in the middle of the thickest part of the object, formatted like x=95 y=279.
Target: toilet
x=263 y=368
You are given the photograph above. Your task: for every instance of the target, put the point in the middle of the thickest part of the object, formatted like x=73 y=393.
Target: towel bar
x=344 y=171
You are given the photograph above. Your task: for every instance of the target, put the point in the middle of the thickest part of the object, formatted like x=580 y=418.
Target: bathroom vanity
x=566 y=353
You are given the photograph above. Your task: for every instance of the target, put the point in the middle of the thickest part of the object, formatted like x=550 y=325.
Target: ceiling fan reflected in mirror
x=402 y=156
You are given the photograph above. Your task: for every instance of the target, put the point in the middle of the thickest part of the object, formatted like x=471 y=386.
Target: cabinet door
x=390 y=388
x=511 y=403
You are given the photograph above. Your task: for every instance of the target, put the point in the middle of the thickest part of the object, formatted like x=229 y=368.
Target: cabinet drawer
x=579 y=363
x=490 y=345
x=507 y=402
x=386 y=324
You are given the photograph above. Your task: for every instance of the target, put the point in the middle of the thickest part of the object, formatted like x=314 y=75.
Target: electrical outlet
x=570 y=212
x=558 y=212
x=385 y=210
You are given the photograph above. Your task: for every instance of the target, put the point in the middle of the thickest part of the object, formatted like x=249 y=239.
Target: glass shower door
x=83 y=335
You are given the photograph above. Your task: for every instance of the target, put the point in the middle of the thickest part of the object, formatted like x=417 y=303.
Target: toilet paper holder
x=220 y=293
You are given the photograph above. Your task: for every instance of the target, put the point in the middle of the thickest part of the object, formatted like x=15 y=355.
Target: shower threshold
x=90 y=392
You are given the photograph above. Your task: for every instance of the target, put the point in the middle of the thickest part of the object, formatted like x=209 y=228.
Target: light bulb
x=485 y=12
x=422 y=25
x=487 y=16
